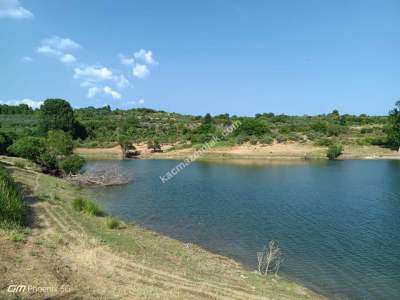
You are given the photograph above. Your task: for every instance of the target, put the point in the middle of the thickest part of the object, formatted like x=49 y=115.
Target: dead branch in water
x=101 y=177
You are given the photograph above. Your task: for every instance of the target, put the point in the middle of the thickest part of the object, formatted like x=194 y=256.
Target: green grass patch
x=87 y=206
x=112 y=223
x=12 y=208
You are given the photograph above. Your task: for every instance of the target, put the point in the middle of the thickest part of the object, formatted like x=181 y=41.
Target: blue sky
x=219 y=56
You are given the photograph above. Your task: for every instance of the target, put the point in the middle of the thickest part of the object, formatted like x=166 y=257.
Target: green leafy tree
x=334 y=151
x=253 y=127
x=28 y=147
x=56 y=114
x=59 y=142
x=72 y=164
x=207 y=119
x=5 y=142
x=393 y=127
x=126 y=146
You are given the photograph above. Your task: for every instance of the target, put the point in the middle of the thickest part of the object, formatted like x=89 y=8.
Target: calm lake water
x=337 y=223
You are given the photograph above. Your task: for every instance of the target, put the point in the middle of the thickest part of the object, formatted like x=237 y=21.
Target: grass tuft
x=87 y=206
x=112 y=223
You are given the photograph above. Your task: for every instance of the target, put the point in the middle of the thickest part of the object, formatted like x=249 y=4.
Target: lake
x=337 y=222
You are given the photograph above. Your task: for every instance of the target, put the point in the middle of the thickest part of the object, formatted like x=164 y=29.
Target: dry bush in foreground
x=270 y=259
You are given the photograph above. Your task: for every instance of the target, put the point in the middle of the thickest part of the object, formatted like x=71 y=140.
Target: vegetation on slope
x=12 y=209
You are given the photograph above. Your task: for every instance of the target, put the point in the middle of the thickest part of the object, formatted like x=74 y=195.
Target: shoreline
x=290 y=151
x=146 y=247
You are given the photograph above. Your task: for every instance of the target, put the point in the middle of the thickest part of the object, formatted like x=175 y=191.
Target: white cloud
x=56 y=47
x=141 y=101
x=32 y=103
x=145 y=56
x=13 y=9
x=113 y=94
x=140 y=71
x=128 y=61
x=93 y=74
x=67 y=58
x=46 y=50
x=93 y=91
x=61 y=43
x=27 y=59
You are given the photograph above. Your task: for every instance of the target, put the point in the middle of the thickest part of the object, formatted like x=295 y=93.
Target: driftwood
x=101 y=177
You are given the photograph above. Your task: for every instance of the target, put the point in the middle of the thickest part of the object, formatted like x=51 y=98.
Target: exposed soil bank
x=247 y=152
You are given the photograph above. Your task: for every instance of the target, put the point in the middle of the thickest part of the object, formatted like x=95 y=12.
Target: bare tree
x=270 y=259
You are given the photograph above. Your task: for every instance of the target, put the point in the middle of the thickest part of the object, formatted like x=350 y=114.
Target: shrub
x=5 y=142
x=112 y=223
x=12 y=209
x=49 y=162
x=334 y=151
x=27 y=147
x=365 y=130
x=253 y=140
x=281 y=138
x=241 y=139
x=324 y=142
x=72 y=164
x=266 y=140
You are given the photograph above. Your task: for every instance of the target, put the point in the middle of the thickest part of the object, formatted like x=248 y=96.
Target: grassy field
x=81 y=255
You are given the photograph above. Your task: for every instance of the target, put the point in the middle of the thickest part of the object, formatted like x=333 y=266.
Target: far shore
x=288 y=151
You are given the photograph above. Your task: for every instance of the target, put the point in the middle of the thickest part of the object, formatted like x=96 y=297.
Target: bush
x=324 y=142
x=266 y=140
x=241 y=139
x=27 y=147
x=281 y=138
x=253 y=140
x=12 y=209
x=365 y=130
x=334 y=151
x=86 y=206
x=5 y=142
x=72 y=164
x=49 y=162
x=112 y=223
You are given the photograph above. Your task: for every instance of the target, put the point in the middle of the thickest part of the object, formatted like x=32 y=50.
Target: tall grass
x=12 y=208
x=87 y=206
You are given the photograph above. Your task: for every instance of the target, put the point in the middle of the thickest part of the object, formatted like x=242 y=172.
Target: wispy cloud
x=93 y=74
x=125 y=60
x=32 y=103
x=57 y=47
x=93 y=91
x=13 y=9
x=140 y=71
x=145 y=57
x=68 y=59
x=61 y=43
x=26 y=59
